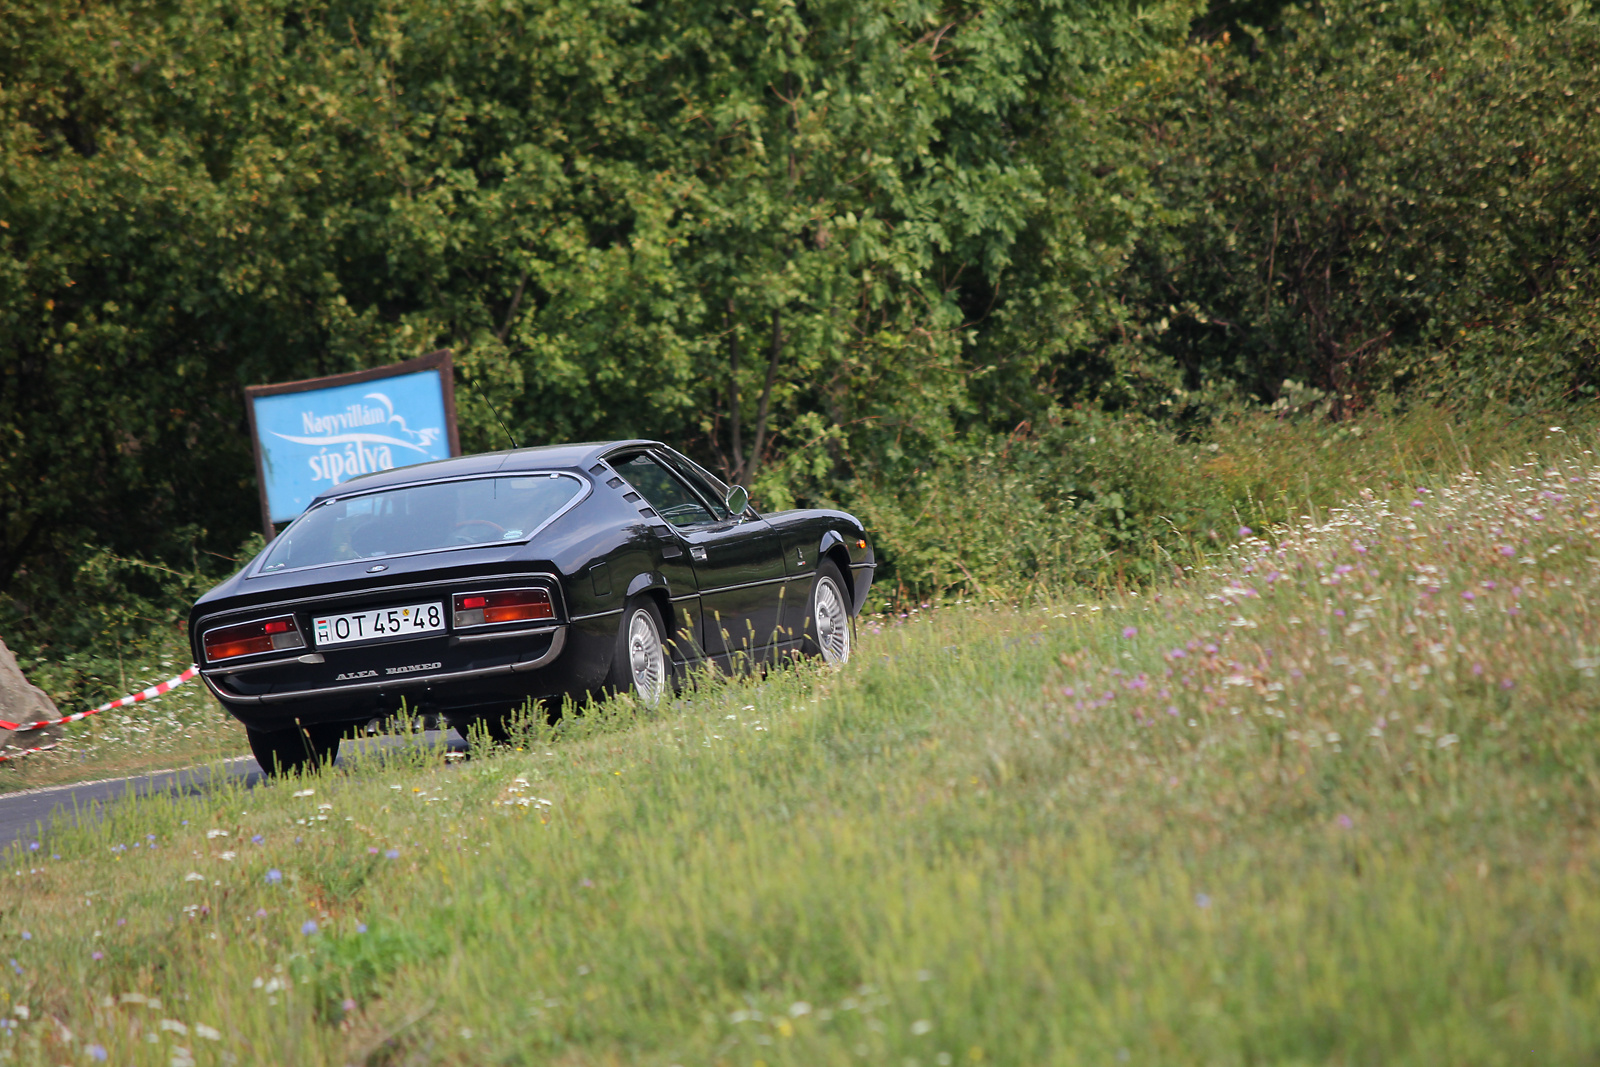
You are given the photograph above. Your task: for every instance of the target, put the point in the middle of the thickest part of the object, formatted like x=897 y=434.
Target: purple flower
x=1345 y=822
x=585 y=883
x=1416 y=503
x=1244 y=531
x=392 y=854
x=349 y=1004
x=97 y=955
x=34 y=847
x=26 y=936
x=1201 y=900
x=96 y=1053
x=1172 y=709
x=1339 y=612
x=1130 y=631
x=256 y=839
x=261 y=913
x=372 y=850
x=1507 y=551
x=274 y=876
x=1507 y=683
x=15 y=966
x=1469 y=595
x=361 y=928
x=1361 y=548
x=309 y=927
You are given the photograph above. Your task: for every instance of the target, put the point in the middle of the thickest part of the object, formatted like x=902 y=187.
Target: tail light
x=505 y=605
x=247 y=639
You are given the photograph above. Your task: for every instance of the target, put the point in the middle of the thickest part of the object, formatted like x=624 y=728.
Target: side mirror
x=738 y=500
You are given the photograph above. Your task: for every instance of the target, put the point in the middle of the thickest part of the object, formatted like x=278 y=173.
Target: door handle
x=697 y=554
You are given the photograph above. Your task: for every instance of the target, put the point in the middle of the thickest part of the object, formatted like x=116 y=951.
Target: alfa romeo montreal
x=468 y=587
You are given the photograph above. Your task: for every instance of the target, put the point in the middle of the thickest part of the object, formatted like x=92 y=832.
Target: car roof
x=580 y=455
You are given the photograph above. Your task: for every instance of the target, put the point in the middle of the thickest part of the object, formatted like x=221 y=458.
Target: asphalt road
x=26 y=816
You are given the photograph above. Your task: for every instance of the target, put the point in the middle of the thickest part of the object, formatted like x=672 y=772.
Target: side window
x=709 y=488
x=671 y=499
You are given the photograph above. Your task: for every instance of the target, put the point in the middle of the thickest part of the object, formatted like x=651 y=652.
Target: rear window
x=422 y=518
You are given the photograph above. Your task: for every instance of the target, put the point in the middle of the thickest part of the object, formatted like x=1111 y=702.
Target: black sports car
x=467 y=586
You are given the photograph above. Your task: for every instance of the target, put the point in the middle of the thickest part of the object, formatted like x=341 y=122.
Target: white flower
x=215 y=833
x=799 y=1008
x=209 y=1033
x=305 y=793
x=172 y=1026
x=194 y=876
x=227 y=855
x=920 y=1027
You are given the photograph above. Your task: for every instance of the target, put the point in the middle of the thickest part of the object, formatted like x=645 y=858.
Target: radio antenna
x=474 y=381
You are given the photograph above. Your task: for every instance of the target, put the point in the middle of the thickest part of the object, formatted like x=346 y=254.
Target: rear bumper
x=568 y=659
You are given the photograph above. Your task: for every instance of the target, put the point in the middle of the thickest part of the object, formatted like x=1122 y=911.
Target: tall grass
x=1329 y=800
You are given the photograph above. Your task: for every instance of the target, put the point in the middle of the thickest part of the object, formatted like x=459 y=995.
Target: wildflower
x=920 y=1027
x=274 y=876
x=1201 y=900
x=96 y=1053
x=261 y=913
x=213 y=834
x=392 y=854
x=799 y=1008
x=1130 y=631
x=26 y=936
x=361 y=928
x=97 y=955
x=349 y=1004
x=210 y=1033
x=1244 y=531
x=1508 y=551
x=309 y=927
x=255 y=840
x=1345 y=822
x=586 y=884
x=1468 y=594
x=194 y=876
x=372 y=850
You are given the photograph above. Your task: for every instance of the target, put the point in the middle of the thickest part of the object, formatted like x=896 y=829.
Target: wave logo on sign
x=358 y=439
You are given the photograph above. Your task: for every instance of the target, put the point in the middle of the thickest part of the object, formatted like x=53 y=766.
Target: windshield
x=422 y=518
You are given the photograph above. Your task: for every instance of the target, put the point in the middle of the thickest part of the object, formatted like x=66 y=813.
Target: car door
x=737 y=559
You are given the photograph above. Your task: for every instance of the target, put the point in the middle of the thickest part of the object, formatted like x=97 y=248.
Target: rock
x=23 y=702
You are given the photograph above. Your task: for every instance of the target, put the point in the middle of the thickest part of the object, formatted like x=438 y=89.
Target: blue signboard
x=315 y=434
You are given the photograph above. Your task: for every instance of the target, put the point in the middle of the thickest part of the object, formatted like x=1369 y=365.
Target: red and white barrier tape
x=121 y=702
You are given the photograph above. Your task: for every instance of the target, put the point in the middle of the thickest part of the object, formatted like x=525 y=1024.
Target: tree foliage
x=832 y=247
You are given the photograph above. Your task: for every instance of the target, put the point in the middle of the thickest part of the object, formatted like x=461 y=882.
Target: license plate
x=384 y=622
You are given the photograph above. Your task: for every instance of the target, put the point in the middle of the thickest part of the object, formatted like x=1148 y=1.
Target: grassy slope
x=1316 y=806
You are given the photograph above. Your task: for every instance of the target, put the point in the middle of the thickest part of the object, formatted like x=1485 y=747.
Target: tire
x=829 y=628
x=293 y=750
x=639 y=663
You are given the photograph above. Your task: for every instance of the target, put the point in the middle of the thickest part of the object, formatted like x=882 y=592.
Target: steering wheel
x=465 y=539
